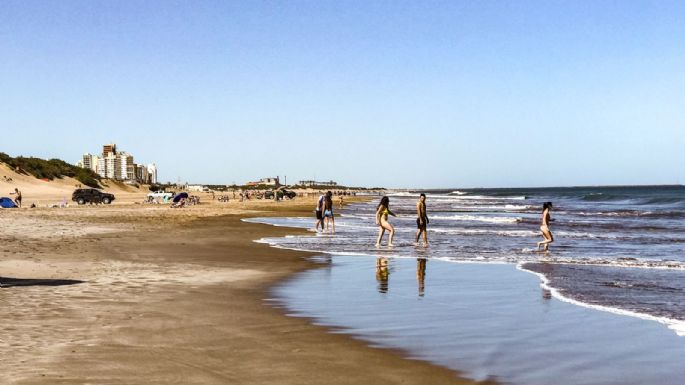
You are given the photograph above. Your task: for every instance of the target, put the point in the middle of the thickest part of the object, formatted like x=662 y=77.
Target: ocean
x=617 y=251
x=621 y=248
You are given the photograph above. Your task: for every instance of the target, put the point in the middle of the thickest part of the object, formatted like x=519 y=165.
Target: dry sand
x=167 y=296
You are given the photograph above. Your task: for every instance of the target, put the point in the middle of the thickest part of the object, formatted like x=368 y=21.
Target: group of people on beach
x=324 y=211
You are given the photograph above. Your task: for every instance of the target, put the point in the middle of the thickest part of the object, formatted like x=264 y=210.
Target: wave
x=477 y=218
x=505 y=233
x=678 y=326
x=497 y=198
x=457 y=192
x=633 y=199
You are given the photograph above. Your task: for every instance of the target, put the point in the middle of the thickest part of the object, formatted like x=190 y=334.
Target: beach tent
x=180 y=196
x=7 y=203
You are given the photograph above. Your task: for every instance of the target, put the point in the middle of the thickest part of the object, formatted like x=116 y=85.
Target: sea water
x=604 y=306
x=619 y=249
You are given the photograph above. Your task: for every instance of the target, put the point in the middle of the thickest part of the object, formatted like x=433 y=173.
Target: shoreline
x=144 y=287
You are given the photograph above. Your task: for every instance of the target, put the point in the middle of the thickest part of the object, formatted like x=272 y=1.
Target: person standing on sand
x=328 y=212
x=319 y=212
x=17 y=200
x=422 y=220
x=546 y=233
x=340 y=201
x=382 y=212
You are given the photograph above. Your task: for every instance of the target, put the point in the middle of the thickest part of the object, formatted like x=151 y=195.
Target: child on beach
x=382 y=212
x=546 y=232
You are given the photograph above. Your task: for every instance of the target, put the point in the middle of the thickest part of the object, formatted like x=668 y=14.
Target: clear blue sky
x=390 y=93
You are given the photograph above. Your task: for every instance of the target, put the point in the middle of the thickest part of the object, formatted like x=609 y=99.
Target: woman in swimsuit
x=382 y=212
x=546 y=233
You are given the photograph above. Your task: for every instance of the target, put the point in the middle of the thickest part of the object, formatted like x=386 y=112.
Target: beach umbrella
x=180 y=196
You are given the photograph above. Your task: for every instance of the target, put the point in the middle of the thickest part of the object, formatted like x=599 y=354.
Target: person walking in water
x=319 y=212
x=382 y=212
x=546 y=233
x=328 y=212
x=422 y=219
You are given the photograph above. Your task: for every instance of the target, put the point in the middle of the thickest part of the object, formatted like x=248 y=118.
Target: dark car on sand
x=91 y=195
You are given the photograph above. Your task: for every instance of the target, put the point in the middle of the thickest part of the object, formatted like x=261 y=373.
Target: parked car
x=91 y=195
x=160 y=196
x=288 y=193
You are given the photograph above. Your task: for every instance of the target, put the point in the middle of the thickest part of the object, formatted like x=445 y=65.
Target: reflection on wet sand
x=382 y=274
x=547 y=268
x=421 y=275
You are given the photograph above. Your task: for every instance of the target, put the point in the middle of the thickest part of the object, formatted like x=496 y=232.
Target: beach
x=245 y=293
x=126 y=293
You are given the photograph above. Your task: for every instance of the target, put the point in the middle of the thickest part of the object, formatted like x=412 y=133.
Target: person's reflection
x=421 y=275
x=547 y=269
x=382 y=274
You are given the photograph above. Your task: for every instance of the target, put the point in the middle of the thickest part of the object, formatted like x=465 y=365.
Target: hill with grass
x=50 y=169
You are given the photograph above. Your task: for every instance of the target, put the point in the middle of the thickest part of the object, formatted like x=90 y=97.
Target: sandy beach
x=126 y=293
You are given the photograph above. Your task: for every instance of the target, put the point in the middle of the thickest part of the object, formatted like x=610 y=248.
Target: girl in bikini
x=546 y=233
x=382 y=212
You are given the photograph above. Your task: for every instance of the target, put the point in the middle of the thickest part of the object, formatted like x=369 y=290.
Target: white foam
x=677 y=326
x=478 y=218
x=506 y=233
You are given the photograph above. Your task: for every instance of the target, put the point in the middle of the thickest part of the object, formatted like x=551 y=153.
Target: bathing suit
x=328 y=214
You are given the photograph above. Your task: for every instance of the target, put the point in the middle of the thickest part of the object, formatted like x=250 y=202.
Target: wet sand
x=490 y=321
x=168 y=296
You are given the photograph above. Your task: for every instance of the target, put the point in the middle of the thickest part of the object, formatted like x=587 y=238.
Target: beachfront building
x=142 y=173
x=312 y=183
x=152 y=173
x=266 y=182
x=118 y=165
x=126 y=168
x=109 y=149
x=197 y=187
x=89 y=161
x=109 y=171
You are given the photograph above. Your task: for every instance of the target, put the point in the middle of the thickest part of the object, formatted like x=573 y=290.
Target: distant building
x=89 y=161
x=311 y=183
x=141 y=173
x=197 y=187
x=152 y=172
x=266 y=182
x=118 y=165
x=109 y=149
x=126 y=169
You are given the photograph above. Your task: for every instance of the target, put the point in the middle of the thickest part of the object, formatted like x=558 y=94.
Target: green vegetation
x=162 y=187
x=50 y=169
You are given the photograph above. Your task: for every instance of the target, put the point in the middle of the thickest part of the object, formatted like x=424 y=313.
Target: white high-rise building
x=89 y=161
x=125 y=165
x=152 y=173
x=112 y=164
x=118 y=165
